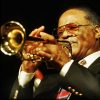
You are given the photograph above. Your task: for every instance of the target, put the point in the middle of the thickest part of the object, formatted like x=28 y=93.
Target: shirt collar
x=87 y=61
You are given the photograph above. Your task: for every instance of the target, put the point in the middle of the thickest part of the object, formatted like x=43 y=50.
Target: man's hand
x=54 y=53
x=28 y=65
x=50 y=50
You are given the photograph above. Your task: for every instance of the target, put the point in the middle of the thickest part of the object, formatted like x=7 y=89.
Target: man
x=79 y=73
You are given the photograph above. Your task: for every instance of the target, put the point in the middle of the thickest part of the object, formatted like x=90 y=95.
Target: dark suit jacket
x=86 y=81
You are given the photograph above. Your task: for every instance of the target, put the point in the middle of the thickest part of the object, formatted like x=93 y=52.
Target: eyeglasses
x=72 y=27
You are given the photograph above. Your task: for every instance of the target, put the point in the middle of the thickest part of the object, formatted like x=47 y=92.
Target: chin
x=75 y=51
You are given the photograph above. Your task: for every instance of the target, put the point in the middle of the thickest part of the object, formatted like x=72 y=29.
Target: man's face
x=75 y=28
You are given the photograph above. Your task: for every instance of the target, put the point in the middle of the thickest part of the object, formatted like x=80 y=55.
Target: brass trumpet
x=13 y=37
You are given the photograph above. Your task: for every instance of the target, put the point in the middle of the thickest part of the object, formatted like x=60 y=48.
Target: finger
x=33 y=32
x=37 y=31
x=44 y=55
x=40 y=29
x=29 y=66
x=47 y=37
x=29 y=48
x=40 y=48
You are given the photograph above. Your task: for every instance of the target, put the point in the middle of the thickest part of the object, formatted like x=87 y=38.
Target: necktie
x=63 y=95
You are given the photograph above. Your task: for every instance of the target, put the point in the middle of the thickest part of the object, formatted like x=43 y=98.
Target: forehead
x=73 y=16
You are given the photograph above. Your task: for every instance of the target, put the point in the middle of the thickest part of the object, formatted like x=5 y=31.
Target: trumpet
x=13 y=37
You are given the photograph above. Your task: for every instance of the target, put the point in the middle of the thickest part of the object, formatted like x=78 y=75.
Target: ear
x=97 y=29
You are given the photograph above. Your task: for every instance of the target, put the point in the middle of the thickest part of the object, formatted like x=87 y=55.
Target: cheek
x=85 y=35
x=86 y=40
x=76 y=48
x=83 y=42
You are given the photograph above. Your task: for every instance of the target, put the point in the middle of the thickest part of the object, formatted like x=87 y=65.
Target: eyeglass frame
x=77 y=26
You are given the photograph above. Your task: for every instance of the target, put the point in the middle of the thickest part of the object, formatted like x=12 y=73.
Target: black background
x=31 y=14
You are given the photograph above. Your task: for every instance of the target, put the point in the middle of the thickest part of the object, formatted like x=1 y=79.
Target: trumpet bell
x=12 y=36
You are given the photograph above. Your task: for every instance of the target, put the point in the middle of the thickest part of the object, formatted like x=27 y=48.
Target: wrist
x=29 y=66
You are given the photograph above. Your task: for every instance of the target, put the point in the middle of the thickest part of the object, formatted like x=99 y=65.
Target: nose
x=65 y=35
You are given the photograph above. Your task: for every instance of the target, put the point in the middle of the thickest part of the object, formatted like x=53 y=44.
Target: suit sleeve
x=83 y=80
x=19 y=92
